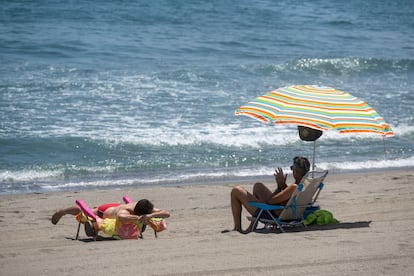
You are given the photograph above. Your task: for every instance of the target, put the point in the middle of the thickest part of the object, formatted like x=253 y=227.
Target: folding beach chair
x=112 y=227
x=293 y=214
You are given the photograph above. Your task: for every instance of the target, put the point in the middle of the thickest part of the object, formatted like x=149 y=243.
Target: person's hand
x=280 y=178
x=144 y=219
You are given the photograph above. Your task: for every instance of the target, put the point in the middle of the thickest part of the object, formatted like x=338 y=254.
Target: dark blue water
x=104 y=94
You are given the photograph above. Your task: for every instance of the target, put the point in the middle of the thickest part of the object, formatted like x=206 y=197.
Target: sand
x=374 y=236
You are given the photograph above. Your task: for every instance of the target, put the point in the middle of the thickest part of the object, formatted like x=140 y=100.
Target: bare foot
x=241 y=231
x=247 y=231
x=234 y=230
x=56 y=217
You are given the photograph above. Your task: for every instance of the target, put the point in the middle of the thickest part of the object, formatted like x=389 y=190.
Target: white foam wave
x=233 y=174
x=27 y=175
x=367 y=165
x=57 y=174
x=123 y=107
x=229 y=135
x=236 y=135
x=337 y=63
x=226 y=135
x=43 y=178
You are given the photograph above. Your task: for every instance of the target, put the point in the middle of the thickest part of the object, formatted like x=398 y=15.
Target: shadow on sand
x=90 y=239
x=340 y=225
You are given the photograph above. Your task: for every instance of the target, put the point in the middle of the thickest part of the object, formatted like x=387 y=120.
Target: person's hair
x=301 y=164
x=143 y=207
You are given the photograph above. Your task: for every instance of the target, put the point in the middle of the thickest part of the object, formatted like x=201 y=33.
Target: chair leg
x=278 y=224
x=276 y=221
x=256 y=221
x=77 y=233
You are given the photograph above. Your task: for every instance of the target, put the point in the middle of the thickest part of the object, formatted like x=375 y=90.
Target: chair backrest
x=85 y=209
x=305 y=195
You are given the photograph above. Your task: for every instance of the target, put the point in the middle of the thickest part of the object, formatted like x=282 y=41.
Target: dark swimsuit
x=264 y=215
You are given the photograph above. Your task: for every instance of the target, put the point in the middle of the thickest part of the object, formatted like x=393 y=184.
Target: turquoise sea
x=111 y=94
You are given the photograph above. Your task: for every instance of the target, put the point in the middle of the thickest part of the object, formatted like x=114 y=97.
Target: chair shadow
x=340 y=225
x=99 y=238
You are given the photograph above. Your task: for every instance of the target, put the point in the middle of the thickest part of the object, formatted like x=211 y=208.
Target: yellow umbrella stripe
x=319 y=107
x=351 y=123
x=272 y=106
x=343 y=128
x=313 y=102
x=274 y=113
x=282 y=105
x=257 y=113
x=317 y=91
x=323 y=121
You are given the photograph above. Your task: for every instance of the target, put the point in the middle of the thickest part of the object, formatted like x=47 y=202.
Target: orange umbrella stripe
x=345 y=109
x=272 y=110
x=325 y=104
x=314 y=89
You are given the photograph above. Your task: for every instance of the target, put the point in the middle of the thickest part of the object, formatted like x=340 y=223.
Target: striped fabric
x=318 y=107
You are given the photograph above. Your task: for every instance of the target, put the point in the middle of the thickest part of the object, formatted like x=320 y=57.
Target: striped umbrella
x=316 y=107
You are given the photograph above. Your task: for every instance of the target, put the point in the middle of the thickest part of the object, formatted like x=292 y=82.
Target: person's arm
x=125 y=216
x=282 y=197
x=159 y=213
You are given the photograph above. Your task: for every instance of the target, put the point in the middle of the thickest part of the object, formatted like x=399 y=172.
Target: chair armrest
x=265 y=206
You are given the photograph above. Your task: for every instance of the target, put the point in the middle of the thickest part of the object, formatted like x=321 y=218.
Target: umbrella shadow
x=340 y=225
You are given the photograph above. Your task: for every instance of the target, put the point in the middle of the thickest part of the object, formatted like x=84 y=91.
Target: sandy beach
x=374 y=236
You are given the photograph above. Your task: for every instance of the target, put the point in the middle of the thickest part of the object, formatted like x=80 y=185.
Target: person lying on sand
x=240 y=196
x=132 y=212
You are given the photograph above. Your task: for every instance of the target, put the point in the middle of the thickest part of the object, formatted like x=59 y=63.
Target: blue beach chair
x=299 y=205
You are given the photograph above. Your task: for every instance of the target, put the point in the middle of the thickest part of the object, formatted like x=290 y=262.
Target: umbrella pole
x=385 y=148
x=313 y=158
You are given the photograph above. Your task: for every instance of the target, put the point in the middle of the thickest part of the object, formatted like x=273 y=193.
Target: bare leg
x=240 y=197
x=261 y=192
x=73 y=210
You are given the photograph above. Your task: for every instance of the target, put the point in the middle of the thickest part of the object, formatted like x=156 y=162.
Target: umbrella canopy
x=314 y=109
x=317 y=107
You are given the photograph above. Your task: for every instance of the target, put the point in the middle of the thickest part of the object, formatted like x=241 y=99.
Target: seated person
x=240 y=196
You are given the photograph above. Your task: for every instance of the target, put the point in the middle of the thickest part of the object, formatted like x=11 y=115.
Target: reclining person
x=134 y=212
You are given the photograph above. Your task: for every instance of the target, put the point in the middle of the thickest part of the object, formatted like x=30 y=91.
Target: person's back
x=114 y=212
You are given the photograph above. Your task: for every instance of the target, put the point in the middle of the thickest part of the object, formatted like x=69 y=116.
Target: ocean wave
x=348 y=65
x=27 y=175
x=367 y=165
x=243 y=134
x=32 y=181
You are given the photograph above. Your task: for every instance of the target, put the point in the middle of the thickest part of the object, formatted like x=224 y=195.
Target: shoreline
x=230 y=180
x=374 y=235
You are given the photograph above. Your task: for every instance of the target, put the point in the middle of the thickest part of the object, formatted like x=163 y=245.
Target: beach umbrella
x=315 y=109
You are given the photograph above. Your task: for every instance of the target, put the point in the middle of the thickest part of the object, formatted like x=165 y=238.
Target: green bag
x=320 y=217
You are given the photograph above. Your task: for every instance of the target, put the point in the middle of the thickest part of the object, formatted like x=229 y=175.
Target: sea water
x=110 y=94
